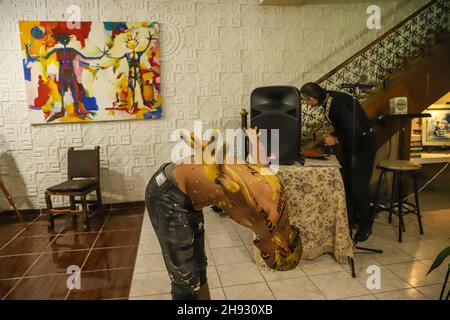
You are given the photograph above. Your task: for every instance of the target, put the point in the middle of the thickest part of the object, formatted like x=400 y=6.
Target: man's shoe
x=362 y=235
x=354 y=225
x=355 y=222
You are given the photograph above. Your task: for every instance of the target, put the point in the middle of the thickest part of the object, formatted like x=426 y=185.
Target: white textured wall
x=214 y=52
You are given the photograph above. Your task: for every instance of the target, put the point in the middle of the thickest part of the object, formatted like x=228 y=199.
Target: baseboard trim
x=108 y=206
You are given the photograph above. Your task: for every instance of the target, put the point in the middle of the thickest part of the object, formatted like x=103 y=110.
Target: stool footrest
x=407 y=208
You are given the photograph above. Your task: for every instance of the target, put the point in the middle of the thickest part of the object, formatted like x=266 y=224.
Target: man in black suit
x=352 y=130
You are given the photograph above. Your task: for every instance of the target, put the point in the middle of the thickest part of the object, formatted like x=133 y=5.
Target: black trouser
x=356 y=178
x=180 y=232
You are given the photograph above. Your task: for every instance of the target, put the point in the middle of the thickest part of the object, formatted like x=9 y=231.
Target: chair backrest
x=83 y=163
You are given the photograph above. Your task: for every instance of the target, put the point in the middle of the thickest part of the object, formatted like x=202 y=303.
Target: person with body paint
x=250 y=194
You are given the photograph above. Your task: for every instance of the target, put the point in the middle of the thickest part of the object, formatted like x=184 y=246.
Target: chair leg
x=400 y=208
x=391 y=207
x=85 y=213
x=99 y=198
x=51 y=219
x=73 y=207
x=416 y=196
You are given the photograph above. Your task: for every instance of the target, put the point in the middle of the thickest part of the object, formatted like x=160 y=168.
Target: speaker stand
x=355 y=93
x=352 y=260
x=301 y=160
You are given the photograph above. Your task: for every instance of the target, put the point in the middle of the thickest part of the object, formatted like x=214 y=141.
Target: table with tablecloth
x=316 y=200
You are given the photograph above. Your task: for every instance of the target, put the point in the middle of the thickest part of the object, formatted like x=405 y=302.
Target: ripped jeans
x=180 y=232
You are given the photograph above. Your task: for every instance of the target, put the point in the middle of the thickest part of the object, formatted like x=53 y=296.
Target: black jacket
x=351 y=124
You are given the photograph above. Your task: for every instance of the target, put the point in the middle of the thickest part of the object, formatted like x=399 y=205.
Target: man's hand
x=330 y=140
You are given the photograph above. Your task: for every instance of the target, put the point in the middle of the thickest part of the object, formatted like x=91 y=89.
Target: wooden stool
x=399 y=168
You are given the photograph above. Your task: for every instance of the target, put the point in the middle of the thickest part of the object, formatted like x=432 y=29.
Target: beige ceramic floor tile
x=217 y=294
x=247 y=237
x=339 y=285
x=405 y=294
x=149 y=247
x=362 y=262
x=415 y=274
x=433 y=292
x=150 y=283
x=322 y=265
x=272 y=275
x=434 y=232
x=366 y=297
x=389 y=281
x=391 y=254
x=423 y=249
x=443 y=268
x=254 y=291
x=149 y=263
x=241 y=229
x=219 y=227
x=165 y=296
x=251 y=251
x=230 y=255
x=295 y=289
x=209 y=255
x=213 y=277
x=224 y=240
x=242 y=273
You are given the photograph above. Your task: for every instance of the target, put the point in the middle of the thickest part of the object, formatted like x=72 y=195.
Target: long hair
x=313 y=90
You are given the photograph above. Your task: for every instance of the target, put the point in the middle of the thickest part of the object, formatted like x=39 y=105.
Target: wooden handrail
x=370 y=45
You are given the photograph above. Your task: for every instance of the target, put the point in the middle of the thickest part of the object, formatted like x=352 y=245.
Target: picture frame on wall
x=97 y=71
x=436 y=130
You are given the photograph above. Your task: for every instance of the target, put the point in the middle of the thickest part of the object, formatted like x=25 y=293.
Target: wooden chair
x=83 y=173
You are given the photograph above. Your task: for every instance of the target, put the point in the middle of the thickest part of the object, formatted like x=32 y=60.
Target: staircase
x=412 y=59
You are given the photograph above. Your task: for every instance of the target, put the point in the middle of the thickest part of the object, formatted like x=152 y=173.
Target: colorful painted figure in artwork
x=133 y=59
x=66 y=77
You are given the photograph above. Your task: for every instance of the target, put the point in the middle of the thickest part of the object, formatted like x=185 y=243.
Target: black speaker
x=278 y=107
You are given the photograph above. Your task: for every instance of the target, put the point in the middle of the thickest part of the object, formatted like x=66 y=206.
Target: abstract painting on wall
x=91 y=71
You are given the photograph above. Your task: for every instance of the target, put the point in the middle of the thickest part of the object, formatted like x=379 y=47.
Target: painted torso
x=259 y=204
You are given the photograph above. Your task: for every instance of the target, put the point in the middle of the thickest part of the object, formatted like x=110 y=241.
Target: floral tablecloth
x=317 y=206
